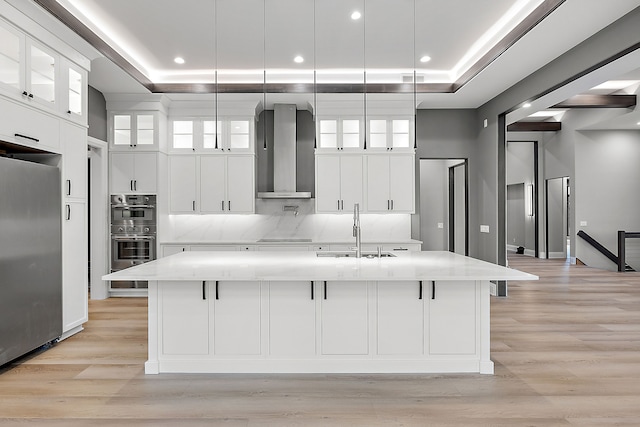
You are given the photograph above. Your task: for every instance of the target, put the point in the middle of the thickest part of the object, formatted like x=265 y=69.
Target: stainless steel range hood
x=284 y=155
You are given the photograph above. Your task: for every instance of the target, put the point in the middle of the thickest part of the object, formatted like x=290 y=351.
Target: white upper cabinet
x=390 y=183
x=390 y=134
x=339 y=183
x=211 y=184
x=37 y=75
x=133 y=173
x=73 y=91
x=340 y=133
x=134 y=130
x=199 y=135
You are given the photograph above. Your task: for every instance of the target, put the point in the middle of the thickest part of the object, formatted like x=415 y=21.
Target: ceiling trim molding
x=68 y=19
x=64 y=16
x=534 y=127
x=533 y=19
x=598 y=101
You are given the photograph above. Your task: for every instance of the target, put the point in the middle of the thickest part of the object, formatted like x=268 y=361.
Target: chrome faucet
x=356 y=229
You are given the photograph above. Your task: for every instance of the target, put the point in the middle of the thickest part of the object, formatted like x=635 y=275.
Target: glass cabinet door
x=239 y=135
x=122 y=129
x=42 y=74
x=11 y=46
x=75 y=90
x=144 y=135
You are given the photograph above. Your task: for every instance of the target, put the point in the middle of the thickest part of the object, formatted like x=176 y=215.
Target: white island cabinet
x=248 y=312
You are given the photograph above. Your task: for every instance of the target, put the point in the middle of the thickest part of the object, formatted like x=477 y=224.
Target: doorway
x=444 y=205
x=558 y=202
x=97 y=217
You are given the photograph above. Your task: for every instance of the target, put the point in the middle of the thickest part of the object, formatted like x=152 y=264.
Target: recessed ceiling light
x=356 y=15
x=178 y=60
x=298 y=59
x=425 y=58
x=526 y=105
x=638 y=123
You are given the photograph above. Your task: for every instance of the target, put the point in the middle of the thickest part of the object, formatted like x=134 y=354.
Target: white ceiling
x=238 y=39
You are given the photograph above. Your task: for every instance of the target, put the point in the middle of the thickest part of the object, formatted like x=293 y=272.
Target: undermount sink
x=334 y=254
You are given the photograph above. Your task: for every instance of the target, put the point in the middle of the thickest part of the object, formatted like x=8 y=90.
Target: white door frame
x=99 y=214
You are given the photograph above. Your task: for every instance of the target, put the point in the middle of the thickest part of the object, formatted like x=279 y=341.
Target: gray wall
x=97 y=114
x=515 y=215
x=520 y=170
x=434 y=204
x=606 y=195
x=449 y=134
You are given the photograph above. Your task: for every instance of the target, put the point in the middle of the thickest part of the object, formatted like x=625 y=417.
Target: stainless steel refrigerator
x=30 y=257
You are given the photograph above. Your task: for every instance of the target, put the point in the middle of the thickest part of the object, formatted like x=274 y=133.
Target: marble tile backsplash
x=277 y=219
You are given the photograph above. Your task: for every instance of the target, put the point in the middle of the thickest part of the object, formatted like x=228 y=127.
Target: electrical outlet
x=583 y=223
x=440 y=225
x=484 y=228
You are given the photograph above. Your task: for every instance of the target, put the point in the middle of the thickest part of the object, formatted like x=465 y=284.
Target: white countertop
x=295 y=241
x=303 y=265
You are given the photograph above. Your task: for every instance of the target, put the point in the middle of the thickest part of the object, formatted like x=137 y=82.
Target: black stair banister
x=622 y=241
x=604 y=251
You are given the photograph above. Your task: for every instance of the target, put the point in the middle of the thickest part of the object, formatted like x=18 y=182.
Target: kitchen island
x=257 y=312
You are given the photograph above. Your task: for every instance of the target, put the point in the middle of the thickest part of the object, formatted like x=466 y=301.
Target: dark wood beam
x=534 y=127
x=301 y=88
x=598 y=101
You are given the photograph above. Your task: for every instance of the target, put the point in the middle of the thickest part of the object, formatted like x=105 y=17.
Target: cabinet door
x=74 y=91
x=345 y=325
x=327 y=184
x=182 y=184
x=400 y=309
x=43 y=66
x=12 y=64
x=17 y=125
x=121 y=172
x=185 y=318
x=292 y=319
x=351 y=182
x=452 y=318
x=378 y=184
x=401 y=183
x=74 y=140
x=240 y=184
x=146 y=173
x=236 y=318
x=75 y=296
x=212 y=184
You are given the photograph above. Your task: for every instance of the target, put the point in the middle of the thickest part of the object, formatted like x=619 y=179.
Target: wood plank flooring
x=566 y=349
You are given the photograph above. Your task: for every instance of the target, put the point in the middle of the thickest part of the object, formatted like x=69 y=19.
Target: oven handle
x=132 y=206
x=133 y=238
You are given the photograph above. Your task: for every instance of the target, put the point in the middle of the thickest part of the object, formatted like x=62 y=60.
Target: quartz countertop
x=294 y=241
x=303 y=265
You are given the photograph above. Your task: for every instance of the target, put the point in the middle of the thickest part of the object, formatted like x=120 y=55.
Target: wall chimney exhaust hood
x=284 y=155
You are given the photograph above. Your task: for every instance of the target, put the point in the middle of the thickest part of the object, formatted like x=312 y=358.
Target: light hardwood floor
x=566 y=349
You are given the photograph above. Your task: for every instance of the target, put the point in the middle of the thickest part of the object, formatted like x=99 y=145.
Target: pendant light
x=264 y=75
x=216 y=128
x=315 y=82
x=415 y=83
x=364 y=63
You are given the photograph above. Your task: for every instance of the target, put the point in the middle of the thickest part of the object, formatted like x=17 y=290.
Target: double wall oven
x=133 y=235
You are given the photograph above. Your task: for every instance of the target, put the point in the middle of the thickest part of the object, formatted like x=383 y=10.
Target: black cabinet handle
x=229 y=205
x=24 y=92
x=135 y=185
x=338 y=204
x=19 y=135
x=30 y=95
x=325 y=289
x=68 y=187
x=131 y=185
x=433 y=289
x=391 y=204
x=222 y=204
x=204 y=293
x=193 y=205
x=312 y=290
x=420 y=295
x=68 y=212
x=217 y=293
x=68 y=111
